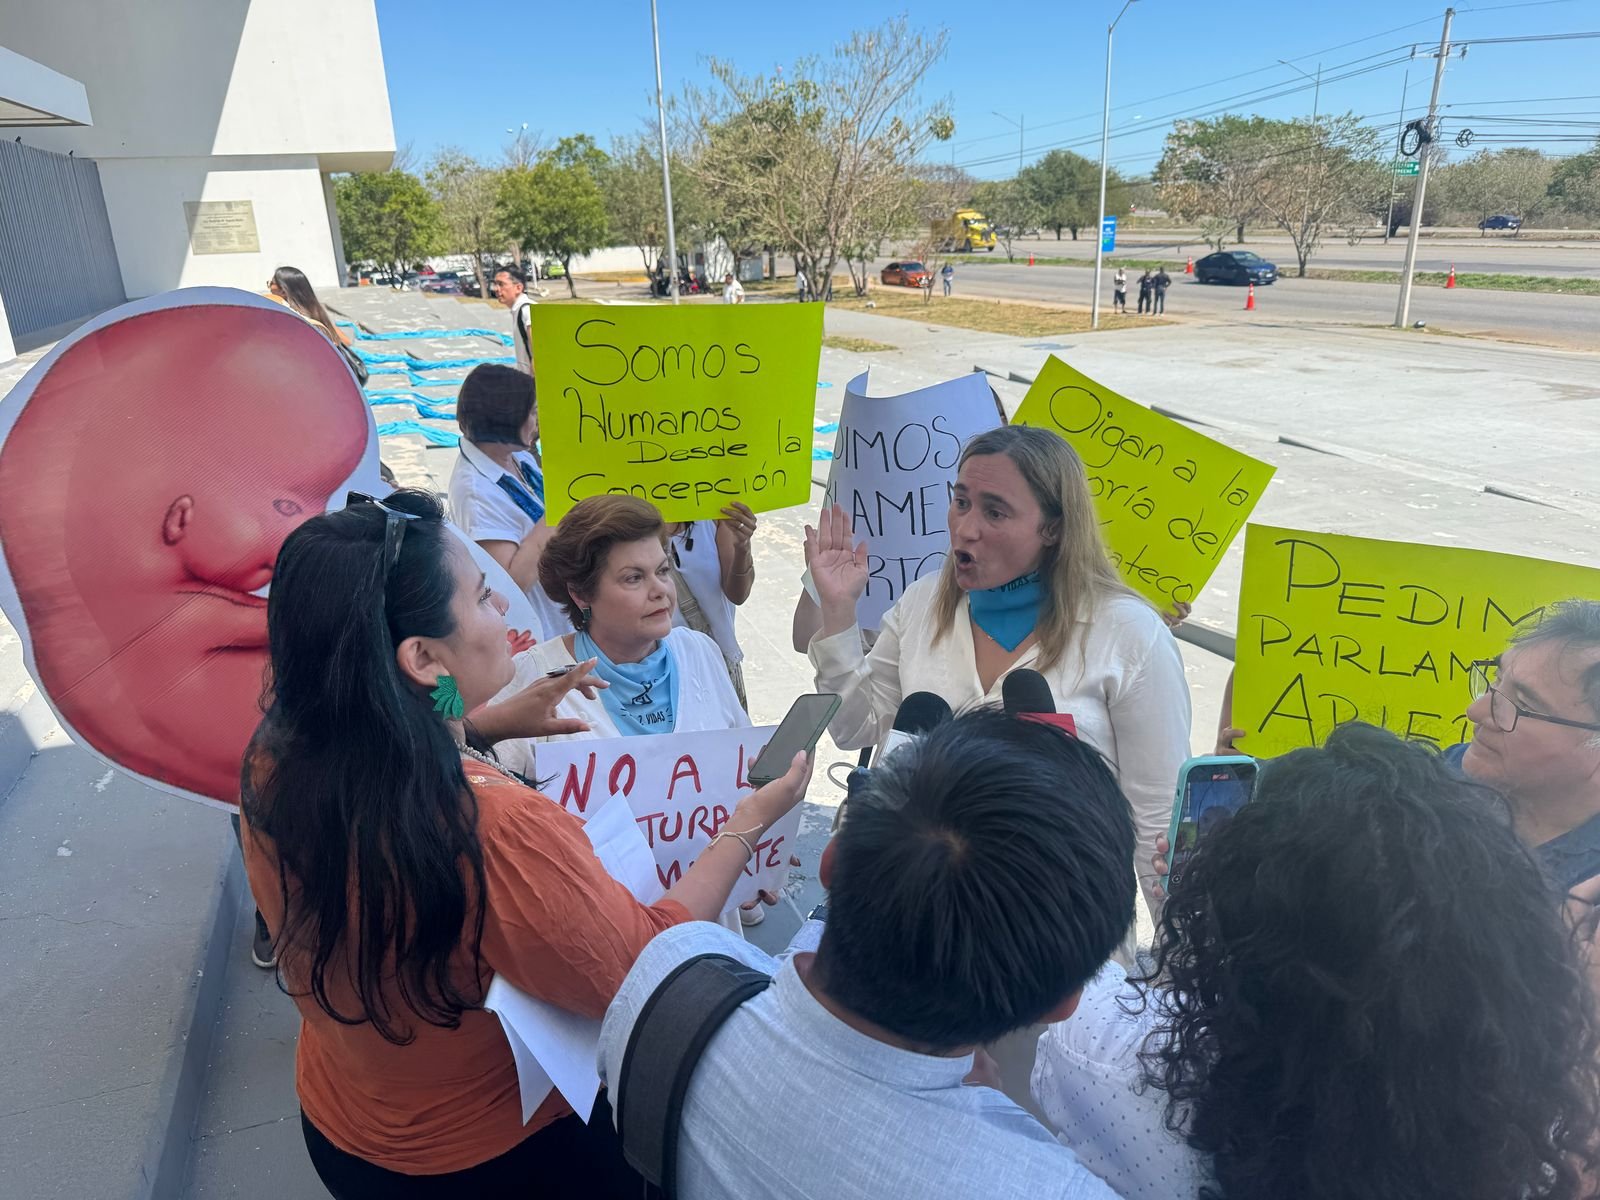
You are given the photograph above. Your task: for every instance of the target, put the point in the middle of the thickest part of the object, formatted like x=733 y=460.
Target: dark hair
x=494 y=404
x=984 y=875
x=575 y=556
x=357 y=781
x=1367 y=990
x=296 y=289
x=1574 y=625
x=516 y=273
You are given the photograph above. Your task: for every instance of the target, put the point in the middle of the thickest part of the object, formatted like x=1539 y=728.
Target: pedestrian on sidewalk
x=511 y=289
x=948 y=274
x=732 y=290
x=1119 y=291
x=799 y=283
x=1158 y=289
x=1145 y=289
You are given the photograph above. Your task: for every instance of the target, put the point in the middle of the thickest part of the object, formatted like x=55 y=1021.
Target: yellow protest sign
x=689 y=407
x=1170 y=500
x=1335 y=629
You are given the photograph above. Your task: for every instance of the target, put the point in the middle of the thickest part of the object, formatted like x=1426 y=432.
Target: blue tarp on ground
x=439 y=437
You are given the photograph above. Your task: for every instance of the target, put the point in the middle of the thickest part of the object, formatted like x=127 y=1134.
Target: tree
x=1216 y=168
x=803 y=158
x=466 y=192
x=1065 y=188
x=555 y=207
x=1515 y=180
x=1575 y=183
x=1317 y=175
x=636 y=204
x=1010 y=208
x=387 y=217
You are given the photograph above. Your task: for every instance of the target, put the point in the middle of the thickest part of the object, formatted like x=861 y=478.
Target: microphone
x=918 y=713
x=1027 y=696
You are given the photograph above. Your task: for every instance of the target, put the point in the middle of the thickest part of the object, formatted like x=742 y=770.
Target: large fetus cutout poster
x=151 y=465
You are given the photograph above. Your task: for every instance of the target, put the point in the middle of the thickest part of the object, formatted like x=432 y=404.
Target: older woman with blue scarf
x=1027 y=584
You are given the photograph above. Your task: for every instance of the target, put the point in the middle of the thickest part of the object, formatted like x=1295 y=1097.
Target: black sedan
x=1234 y=266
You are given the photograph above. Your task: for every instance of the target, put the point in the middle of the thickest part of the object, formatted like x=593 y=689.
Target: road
x=1537 y=255
x=1568 y=321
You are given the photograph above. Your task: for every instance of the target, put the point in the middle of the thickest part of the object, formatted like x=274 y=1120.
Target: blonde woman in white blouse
x=1027 y=584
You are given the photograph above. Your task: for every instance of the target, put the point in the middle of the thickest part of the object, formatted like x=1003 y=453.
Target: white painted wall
x=8 y=348
x=145 y=197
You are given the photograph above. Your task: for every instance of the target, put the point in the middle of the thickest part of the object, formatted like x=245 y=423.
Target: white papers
x=553 y=1047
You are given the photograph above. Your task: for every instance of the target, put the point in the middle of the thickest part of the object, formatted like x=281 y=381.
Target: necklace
x=481 y=757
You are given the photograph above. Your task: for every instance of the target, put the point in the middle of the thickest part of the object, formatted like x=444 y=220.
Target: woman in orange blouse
x=400 y=869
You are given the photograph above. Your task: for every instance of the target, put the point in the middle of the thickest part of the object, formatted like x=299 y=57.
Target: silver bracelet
x=750 y=851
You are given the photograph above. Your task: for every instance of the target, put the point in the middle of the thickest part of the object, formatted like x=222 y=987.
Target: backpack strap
x=674 y=1027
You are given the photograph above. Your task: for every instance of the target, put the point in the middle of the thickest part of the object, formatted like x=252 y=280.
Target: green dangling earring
x=447 y=698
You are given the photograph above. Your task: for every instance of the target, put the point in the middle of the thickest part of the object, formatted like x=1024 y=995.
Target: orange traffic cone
x=1030 y=260
x=1451 y=282
x=1188 y=267
x=1250 y=299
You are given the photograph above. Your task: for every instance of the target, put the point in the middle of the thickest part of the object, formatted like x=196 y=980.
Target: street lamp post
x=666 y=170
x=1021 y=129
x=1105 y=141
x=1316 y=141
x=1399 y=134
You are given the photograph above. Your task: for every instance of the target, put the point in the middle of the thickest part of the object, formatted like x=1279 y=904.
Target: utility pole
x=1403 y=312
x=666 y=170
x=1021 y=124
x=1105 y=143
x=1399 y=132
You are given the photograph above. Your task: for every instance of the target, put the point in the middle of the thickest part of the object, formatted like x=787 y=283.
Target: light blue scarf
x=643 y=696
x=1009 y=612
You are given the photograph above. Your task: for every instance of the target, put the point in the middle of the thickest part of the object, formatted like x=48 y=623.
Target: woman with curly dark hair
x=1363 y=989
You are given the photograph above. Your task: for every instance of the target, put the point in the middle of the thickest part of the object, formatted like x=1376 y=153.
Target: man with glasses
x=1536 y=737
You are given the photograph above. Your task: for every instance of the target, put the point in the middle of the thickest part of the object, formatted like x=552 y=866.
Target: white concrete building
x=214 y=125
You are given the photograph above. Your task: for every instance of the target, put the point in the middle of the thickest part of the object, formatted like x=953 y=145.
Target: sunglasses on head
x=394 y=526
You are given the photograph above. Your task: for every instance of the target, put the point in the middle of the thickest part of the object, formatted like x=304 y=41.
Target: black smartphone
x=1211 y=789
x=808 y=716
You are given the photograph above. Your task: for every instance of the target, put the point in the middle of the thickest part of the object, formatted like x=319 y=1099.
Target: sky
x=1025 y=60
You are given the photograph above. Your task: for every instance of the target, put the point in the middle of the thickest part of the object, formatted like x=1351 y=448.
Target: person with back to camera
x=290 y=285
x=982 y=877
x=497 y=483
x=1027 y=584
x=1361 y=989
x=403 y=868
x=608 y=565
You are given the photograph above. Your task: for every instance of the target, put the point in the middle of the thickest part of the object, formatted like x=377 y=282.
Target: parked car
x=1501 y=221
x=905 y=274
x=443 y=283
x=1235 y=266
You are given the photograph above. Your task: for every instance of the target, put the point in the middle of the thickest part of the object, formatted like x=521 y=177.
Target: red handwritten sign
x=682 y=788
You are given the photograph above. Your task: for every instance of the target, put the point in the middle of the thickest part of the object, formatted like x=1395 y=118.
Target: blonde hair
x=1076 y=571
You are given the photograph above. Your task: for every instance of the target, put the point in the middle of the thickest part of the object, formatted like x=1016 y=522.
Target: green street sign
x=1405 y=166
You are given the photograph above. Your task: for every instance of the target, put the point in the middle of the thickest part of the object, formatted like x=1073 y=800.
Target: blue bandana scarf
x=1009 y=612
x=528 y=495
x=643 y=696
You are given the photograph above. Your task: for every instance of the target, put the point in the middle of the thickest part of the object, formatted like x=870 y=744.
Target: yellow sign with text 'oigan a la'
x=690 y=407
x=1170 y=500
x=1335 y=629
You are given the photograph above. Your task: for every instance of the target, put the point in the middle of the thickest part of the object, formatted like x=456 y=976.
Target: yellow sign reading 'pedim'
x=1335 y=629
x=690 y=407
x=1170 y=500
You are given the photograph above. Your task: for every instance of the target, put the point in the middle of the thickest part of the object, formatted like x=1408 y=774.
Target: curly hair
x=1367 y=991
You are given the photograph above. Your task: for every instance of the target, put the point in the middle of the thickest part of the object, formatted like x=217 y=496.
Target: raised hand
x=838 y=567
x=741 y=522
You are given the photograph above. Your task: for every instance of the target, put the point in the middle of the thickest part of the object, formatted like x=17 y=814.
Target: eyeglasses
x=1504 y=712
x=394 y=527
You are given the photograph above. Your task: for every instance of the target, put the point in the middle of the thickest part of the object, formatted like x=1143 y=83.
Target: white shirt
x=1086 y=1082
x=1122 y=681
x=521 y=336
x=481 y=509
x=706 y=699
x=701 y=568
x=733 y=293
x=790 y=1103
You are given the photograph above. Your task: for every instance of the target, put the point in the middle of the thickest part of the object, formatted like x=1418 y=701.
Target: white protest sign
x=681 y=787
x=894 y=463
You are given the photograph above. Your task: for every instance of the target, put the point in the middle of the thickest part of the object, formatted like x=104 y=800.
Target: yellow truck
x=967 y=230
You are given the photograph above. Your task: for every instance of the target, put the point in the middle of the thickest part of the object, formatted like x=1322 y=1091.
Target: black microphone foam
x=922 y=711
x=1025 y=691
